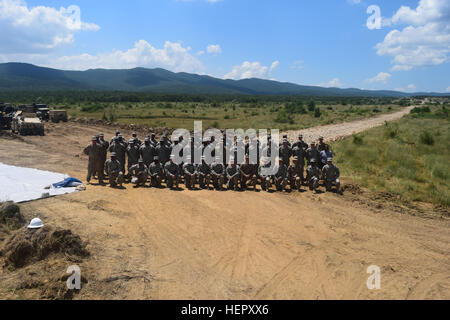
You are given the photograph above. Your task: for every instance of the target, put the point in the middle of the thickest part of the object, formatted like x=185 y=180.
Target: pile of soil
x=30 y=245
x=10 y=219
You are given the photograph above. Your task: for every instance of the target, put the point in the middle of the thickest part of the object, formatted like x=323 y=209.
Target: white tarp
x=24 y=184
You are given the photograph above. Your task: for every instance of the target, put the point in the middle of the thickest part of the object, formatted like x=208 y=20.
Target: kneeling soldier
x=113 y=169
x=281 y=176
x=330 y=174
x=313 y=175
x=248 y=174
x=295 y=174
x=156 y=172
x=232 y=175
x=190 y=173
x=173 y=173
x=139 y=173
x=265 y=178
x=204 y=174
x=218 y=173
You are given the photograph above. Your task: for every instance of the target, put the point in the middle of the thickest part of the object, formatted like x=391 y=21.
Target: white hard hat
x=36 y=223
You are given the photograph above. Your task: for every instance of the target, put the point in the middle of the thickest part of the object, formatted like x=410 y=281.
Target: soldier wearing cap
x=299 y=151
x=300 y=143
x=218 y=173
x=139 y=173
x=113 y=169
x=148 y=152
x=105 y=145
x=313 y=175
x=295 y=175
x=204 y=174
x=164 y=150
x=190 y=173
x=153 y=140
x=173 y=173
x=313 y=153
x=285 y=152
x=280 y=176
x=156 y=173
x=137 y=141
x=285 y=138
x=120 y=149
x=248 y=174
x=116 y=136
x=330 y=175
x=233 y=175
x=133 y=153
x=322 y=145
x=94 y=151
x=265 y=177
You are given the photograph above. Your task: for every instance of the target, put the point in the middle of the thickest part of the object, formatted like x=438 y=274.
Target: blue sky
x=321 y=42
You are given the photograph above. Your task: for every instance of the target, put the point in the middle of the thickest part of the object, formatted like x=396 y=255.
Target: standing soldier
x=105 y=145
x=281 y=176
x=300 y=153
x=330 y=174
x=164 y=150
x=133 y=153
x=94 y=152
x=285 y=138
x=325 y=155
x=148 y=152
x=232 y=175
x=265 y=178
x=139 y=173
x=190 y=173
x=156 y=173
x=120 y=149
x=322 y=145
x=113 y=169
x=204 y=174
x=285 y=152
x=116 y=136
x=295 y=174
x=313 y=175
x=172 y=171
x=136 y=139
x=153 y=141
x=218 y=173
x=313 y=153
x=248 y=174
x=300 y=143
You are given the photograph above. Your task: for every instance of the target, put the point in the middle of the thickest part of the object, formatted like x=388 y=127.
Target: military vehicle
x=43 y=114
x=58 y=115
x=6 y=114
x=27 y=124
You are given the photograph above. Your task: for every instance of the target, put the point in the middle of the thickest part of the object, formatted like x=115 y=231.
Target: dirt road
x=161 y=244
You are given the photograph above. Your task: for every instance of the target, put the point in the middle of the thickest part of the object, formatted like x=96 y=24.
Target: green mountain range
x=28 y=77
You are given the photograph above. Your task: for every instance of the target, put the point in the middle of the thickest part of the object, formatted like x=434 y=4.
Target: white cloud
x=380 y=77
x=448 y=89
x=38 y=29
x=200 y=53
x=251 y=70
x=412 y=87
x=214 y=49
x=424 y=41
x=298 y=65
x=335 y=83
x=173 y=56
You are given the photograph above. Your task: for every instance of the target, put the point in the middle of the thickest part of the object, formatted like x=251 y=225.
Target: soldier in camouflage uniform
x=173 y=173
x=285 y=152
x=295 y=175
x=139 y=173
x=148 y=152
x=330 y=175
x=190 y=173
x=313 y=153
x=94 y=151
x=153 y=140
x=322 y=145
x=113 y=169
x=218 y=173
x=156 y=173
x=114 y=137
x=299 y=152
x=265 y=179
x=133 y=153
x=313 y=175
x=105 y=145
x=204 y=174
x=233 y=175
x=300 y=143
x=248 y=173
x=164 y=150
x=137 y=141
x=120 y=149
x=281 y=176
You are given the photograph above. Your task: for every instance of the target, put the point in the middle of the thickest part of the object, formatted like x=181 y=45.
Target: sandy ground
x=162 y=244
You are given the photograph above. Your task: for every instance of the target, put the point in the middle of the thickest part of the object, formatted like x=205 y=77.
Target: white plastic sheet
x=24 y=184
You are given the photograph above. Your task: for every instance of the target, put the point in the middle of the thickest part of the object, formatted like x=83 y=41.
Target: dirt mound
x=27 y=246
x=10 y=219
x=352 y=188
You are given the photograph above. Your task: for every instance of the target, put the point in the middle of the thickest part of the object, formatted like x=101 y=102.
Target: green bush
x=427 y=138
x=317 y=113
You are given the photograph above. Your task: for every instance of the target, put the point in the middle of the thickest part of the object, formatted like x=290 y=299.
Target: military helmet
x=330 y=160
x=113 y=154
x=94 y=138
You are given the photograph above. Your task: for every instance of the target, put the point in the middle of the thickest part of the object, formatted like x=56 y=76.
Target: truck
x=27 y=124
x=58 y=115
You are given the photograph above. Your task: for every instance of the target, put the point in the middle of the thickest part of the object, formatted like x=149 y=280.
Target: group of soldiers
x=153 y=161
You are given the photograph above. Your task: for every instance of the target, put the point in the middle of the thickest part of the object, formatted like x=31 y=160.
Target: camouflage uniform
x=119 y=148
x=164 y=150
x=313 y=153
x=233 y=176
x=94 y=151
x=113 y=169
x=133 y=153
x=172 y=171
x=148 y=153
x=295 y=175
x=190 y=175
x=105 y=145
x=218 y=174
x=204 y=175
x=300 y=153
x=156 y=173
x=313 y=176
x=248 y=174
x=139 y=173
x=265 y=180
x=281 y=177
x=330 y=174
x=285 y=154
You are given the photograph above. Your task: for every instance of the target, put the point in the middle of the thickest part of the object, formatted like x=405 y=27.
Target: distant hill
x=28 y=77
